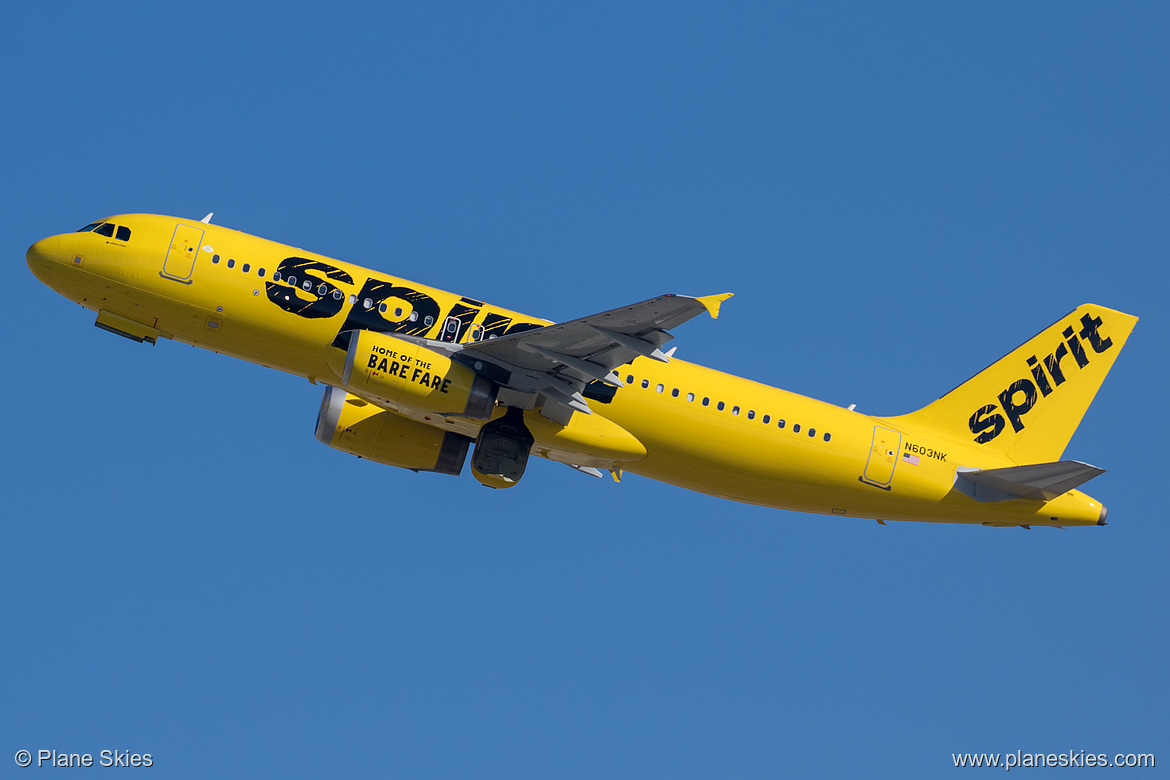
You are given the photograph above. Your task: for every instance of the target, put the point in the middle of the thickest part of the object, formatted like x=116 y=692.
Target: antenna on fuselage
x=207 y=220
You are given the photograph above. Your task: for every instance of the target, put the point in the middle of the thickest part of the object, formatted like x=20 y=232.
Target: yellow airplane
x=414 y=376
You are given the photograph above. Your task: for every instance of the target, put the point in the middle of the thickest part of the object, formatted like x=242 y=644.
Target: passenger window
x=674 y=393
x=352 y=297
x=322 y=289
x=429 y=321
x=105 y=229
x=414 y=316
x=690 y=397
x=338 y=295
x=231 y=263
x=645 y=383
x=706 y=401
x=383 y=308
x=812 y=433
x=246 y=267
x=292 y=280
x=260 y=273
x=398 y=312
x=215 y=259
x=660 y=387
x=276 y=277
x=751 y=414
x=719 y=406
x=779 y=423
x=123 y=233
x=767 y=419
x=367 y=304
x=306 y=285
x=629 y=378
x=828 y=436
x=476 y=330
x=796 y=427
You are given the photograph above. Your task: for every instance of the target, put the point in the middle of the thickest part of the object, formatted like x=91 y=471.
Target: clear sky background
x=897 y=193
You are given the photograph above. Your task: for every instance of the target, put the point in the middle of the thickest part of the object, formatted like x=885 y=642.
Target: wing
x=558 y=361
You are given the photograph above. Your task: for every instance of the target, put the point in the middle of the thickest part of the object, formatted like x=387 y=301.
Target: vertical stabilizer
x=1028 y=404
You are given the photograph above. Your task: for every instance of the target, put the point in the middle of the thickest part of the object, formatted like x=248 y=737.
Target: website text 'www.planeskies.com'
x=1022 y=760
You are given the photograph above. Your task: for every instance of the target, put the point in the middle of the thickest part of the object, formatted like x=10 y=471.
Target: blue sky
x=897 y=193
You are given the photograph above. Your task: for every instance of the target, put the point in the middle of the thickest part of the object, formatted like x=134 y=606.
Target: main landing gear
x=501 y=450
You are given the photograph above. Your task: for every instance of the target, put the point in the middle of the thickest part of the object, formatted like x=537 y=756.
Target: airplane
x=415 y=377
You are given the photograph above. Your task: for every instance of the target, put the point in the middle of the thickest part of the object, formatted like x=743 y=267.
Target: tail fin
x=1028 y=404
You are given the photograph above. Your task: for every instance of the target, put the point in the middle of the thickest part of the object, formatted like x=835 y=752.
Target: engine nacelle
x=353 y=425
x=402 y=374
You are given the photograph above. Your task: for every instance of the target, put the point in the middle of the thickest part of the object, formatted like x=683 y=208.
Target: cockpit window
x=107 y=229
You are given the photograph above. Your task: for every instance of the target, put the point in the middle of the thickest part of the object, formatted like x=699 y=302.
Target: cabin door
x=883 y=457
x=181 y=256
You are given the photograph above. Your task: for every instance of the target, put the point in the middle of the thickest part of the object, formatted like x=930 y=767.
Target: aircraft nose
x=43 y=253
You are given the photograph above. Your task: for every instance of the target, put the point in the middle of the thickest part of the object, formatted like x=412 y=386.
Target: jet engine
x=402 y=374
x=353 y=425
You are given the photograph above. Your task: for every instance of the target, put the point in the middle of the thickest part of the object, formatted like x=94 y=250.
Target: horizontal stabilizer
x=1041 y=481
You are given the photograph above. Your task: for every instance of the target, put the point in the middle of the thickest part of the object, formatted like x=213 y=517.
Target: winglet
x=207 y=220
x=712 y=303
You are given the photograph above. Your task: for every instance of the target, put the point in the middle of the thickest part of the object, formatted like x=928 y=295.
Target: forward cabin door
x=883 y=457
x=180 y=260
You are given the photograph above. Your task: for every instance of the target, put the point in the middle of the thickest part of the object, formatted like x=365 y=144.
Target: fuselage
x=702 y=429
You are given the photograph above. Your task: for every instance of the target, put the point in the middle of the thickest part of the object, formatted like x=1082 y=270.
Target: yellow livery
x=427 y=380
